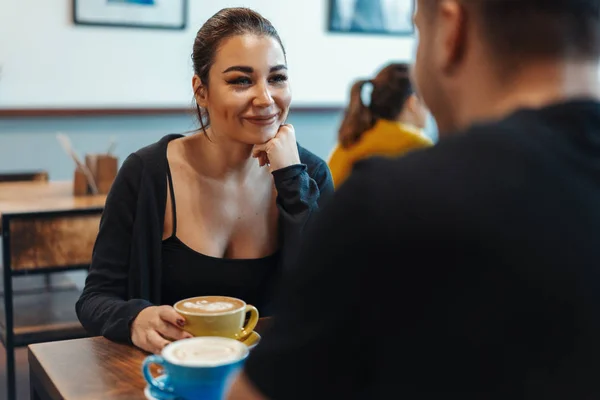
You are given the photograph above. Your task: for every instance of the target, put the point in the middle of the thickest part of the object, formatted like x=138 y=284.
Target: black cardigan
x=125 y=274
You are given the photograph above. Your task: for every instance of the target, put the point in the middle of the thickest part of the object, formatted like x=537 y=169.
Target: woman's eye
x=241 y=81
x=279 y=78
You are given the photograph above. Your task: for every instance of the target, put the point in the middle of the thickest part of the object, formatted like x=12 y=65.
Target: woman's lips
x=262 y=120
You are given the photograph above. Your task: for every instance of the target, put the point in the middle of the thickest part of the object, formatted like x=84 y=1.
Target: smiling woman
x=220 y=212
x=249 y=92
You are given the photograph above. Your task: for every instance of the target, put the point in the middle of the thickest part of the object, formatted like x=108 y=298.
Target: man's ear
x=200 y=92
x=452 y=21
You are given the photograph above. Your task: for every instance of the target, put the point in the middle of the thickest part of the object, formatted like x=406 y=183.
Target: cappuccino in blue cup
x=196 y=368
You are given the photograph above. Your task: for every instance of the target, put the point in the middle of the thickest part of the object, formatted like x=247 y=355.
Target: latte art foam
x=209 y=306
x=205 y=351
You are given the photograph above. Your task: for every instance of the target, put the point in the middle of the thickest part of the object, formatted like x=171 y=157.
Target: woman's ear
x=200 y=92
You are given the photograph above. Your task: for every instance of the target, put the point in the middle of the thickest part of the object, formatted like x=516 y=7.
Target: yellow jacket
x=386 y=138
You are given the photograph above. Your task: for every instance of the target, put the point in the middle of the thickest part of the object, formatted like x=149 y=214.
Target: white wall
x=47 y=61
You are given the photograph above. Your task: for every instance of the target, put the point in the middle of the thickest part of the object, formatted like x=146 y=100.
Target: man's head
x=463 y=43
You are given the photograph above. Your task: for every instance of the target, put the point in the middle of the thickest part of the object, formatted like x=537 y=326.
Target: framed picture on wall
x=153 y=14
x=386 y=17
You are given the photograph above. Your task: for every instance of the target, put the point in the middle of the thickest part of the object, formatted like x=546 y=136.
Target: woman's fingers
x=264 y=159
x=171 y=331
x=258 y=149
x=168 y=314
x=155 y=342
x=170 y=324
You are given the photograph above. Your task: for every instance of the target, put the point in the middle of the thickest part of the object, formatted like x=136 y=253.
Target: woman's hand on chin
x=279 y=152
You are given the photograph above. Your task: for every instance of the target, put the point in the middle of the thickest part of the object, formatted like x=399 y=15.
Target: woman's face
x=248 y=94
x=420 y=112
x=415 y=111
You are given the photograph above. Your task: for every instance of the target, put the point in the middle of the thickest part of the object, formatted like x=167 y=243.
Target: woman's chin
x=262 y=136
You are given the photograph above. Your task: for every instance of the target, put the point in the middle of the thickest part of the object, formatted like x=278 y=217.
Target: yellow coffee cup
x=217 y=316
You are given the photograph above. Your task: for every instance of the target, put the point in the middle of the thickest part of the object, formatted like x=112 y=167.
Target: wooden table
x=39 y=222
x=90 y=368
x=44 y=229
x=44 y=226
x=35 y=197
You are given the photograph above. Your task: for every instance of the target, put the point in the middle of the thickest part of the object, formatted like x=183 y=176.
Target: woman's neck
x=218 y=157
x=408 y=118
x=407 y=124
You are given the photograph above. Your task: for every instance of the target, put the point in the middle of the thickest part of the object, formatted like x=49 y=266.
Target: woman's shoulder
x=149 y=160
x=157 y=150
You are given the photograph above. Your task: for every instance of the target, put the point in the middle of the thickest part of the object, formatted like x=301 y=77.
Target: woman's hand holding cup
x=155 y=327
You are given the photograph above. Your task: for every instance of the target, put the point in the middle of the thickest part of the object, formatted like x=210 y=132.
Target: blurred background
x=101 y=69
x=112 y=76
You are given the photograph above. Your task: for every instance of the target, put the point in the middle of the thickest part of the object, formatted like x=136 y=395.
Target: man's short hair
x=541 y=28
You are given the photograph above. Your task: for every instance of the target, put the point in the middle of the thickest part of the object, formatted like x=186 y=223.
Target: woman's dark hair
x=391 y=88
x=224 y=24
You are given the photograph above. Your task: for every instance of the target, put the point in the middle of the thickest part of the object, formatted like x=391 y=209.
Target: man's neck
x=534 y=87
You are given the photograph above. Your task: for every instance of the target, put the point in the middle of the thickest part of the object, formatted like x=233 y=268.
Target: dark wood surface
x=53 y=241
x=90 y=368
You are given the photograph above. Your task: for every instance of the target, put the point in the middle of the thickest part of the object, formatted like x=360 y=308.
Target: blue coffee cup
x=197 y=368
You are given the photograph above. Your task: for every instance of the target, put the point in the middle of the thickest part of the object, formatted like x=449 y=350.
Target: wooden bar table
x=44 y=196
x=45 y=229
x=90 y=368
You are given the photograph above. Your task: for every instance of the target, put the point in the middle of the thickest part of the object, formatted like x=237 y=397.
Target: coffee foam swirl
x=209 y=306
x=205 y=351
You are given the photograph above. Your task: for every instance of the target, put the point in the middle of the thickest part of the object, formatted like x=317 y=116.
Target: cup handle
x=252 y=321
x=161 y=386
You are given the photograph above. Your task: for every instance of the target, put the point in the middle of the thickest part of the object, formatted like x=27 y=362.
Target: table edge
x=38 y=374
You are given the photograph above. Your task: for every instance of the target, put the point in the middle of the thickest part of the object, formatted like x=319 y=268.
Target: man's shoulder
x=463 y=152
x=456 y=167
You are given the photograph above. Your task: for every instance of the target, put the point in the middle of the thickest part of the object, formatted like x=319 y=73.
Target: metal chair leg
x=10 y=371
x=8 y=315
x=9 y=345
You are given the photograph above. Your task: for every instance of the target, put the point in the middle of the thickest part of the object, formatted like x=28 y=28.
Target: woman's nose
x=263 y=96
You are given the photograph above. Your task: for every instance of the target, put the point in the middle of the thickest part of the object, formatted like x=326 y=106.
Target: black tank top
x=187 y=273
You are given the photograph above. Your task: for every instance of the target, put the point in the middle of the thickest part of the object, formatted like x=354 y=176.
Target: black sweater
x=125 y=274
